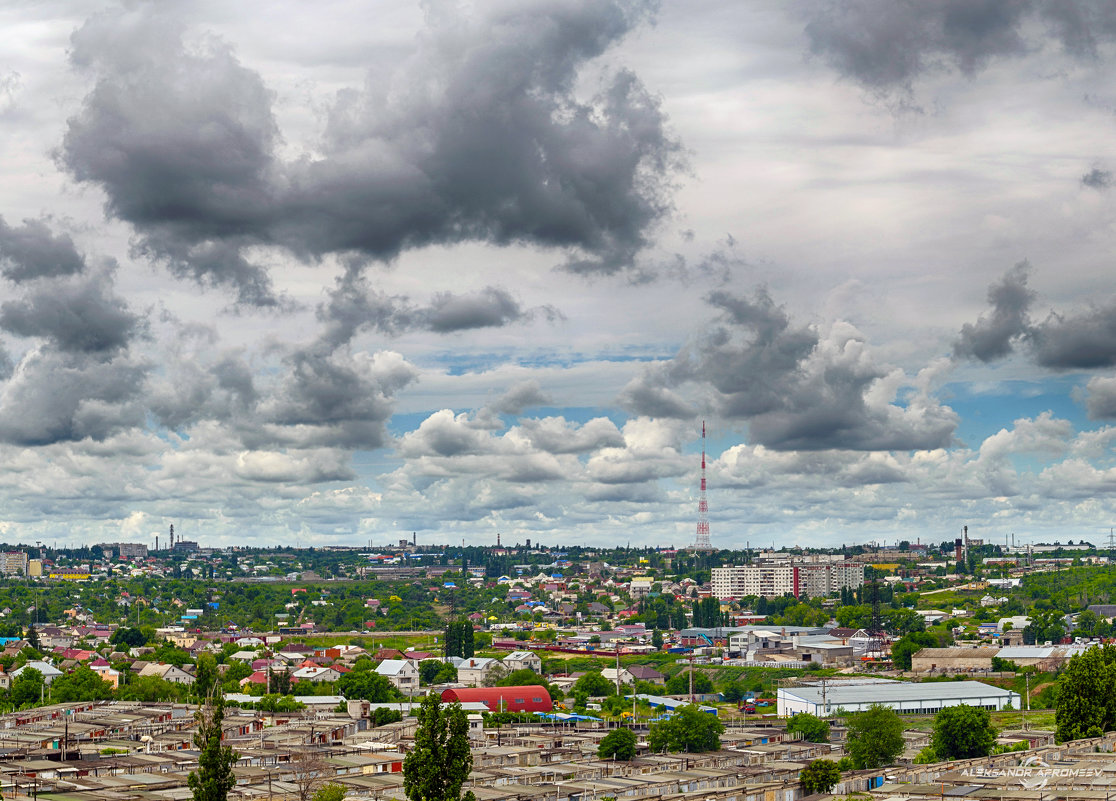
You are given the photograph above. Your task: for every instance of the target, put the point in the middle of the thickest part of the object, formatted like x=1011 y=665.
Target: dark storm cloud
x=492 y=307
x=335 y=399
x=1100 y=400
x=645 y=395
x=78 y=315
x=56 y=397
x=749 y=358
x=182 y=142
x=521 y=396
x=193 y=391
x=1084 y=339
x=81 y=380
x=796 y=390
x=33 y=251
x=353 y=307
x=478 y=136
x=1097 y=179
x=994 y=335
x=555 y=435
x=888 y=44
x=234 y=375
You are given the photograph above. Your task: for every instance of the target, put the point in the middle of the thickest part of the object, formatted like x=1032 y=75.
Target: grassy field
x=949 y=599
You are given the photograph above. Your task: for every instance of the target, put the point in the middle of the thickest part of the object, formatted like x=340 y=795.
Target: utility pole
x=1027 y=700
x=691 y=677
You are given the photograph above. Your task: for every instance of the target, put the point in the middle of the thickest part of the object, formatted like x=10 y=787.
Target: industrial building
x=528 y=698
x=964 y=660
x=904 y=697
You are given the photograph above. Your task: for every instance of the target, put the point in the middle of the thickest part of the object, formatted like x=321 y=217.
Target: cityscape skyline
x=332 y=274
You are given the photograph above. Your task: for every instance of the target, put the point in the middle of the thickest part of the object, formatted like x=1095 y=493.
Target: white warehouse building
x=910 y=698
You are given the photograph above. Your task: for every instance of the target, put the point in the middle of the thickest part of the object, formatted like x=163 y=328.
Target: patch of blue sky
x=457 y=363
x=985 y=409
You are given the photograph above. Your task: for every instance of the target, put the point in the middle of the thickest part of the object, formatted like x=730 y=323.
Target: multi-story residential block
x=126 y=550
x=797 y=579
x=13 y=563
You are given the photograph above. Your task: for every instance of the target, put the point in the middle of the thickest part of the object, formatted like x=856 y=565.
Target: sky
x=334 y=273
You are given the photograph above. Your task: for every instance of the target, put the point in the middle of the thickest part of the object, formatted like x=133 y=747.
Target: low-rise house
x=49 y=671
x=315 y=674
x=402 y=673
x=106 y=671
x=473 y=671
x=645 y=673
x=170 y=673
x=519 y=660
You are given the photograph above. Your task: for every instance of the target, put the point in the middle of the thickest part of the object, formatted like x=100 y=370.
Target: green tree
x=205 y=675
x=618 y=744
x=382 y=716
x=908 y=645
x=820 y=776
x=214 y=777
x=428 y=669
x=679 y=684
x=273 y=702
x=1085 y=699
x=81 y=684
x=440 y=761
x=468 y=642
x=962 y=732
x=875 y=737
x=453 y=640
x=129 y=637
x=812 y=728
x=1045 y=626
x=593 y=684
x=656 y=639
x=519 y=678
x=802 y=615
x=688 y=729
x=149 y=689
x=330 y=791
x=367 y=685
x=27 y=687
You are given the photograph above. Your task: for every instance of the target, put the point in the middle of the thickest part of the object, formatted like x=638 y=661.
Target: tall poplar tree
x=214 y=777
x=441 y=760
x=468 y=645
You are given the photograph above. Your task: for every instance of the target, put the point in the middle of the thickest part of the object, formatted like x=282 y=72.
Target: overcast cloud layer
x=338 y=272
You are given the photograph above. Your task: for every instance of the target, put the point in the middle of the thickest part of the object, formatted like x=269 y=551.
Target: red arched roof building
x=528 y=698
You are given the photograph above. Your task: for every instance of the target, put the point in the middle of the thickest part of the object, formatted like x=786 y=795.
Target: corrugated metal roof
x=900 y=691
x=1025 y=652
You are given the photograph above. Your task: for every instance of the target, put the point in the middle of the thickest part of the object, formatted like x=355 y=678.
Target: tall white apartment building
x=13 y=563
x=774 y=580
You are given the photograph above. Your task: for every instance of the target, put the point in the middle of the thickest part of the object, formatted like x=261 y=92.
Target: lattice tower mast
x=702 y=542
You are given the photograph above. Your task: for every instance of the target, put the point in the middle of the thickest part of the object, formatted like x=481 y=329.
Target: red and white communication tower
x=702 y=542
